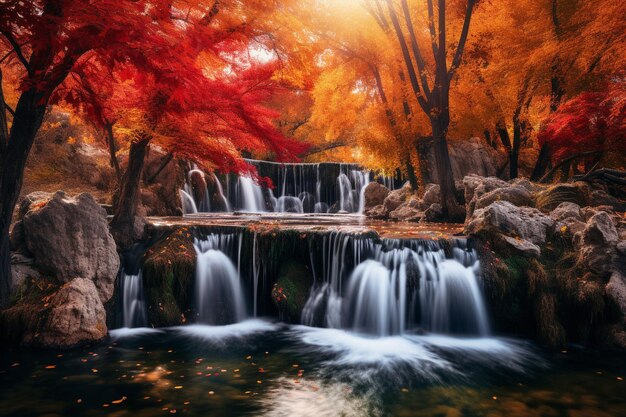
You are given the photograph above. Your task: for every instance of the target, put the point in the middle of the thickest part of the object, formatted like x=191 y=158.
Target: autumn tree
x=47 y=38
x=185 y=61
x=589 y=128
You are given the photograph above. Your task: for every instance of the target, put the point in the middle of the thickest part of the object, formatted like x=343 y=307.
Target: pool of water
x=263 y=368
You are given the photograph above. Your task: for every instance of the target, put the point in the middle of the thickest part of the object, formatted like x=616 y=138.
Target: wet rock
x=597 y=244
x=522 y=247
x=616 y=296
x=516 y=195
x=22 y=269
x=375 y=194
x=477 y=185
x=378 y=212
x=395 y=198
x=432 y=195
x=503 y=217
x=291 y=290
x=434 y=213
x=69 y=238
x=76 y=316
x=566 y=210
x=406 y=213
x=17 y=238
x=553 y=196
x=616 y=292
x=50 y=316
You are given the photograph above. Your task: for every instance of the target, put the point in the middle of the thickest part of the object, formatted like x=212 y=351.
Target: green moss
x=168 y=275
x=291 y=290
x=29 y=309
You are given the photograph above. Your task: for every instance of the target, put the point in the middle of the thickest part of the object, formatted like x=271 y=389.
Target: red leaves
x=592 y=121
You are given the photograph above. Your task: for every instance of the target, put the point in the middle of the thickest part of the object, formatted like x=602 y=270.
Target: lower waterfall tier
x=335 y=279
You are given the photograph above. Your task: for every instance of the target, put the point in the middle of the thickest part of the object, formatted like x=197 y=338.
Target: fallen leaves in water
x=51 y=366
x=121 y=400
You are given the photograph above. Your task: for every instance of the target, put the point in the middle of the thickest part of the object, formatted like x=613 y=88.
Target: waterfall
x=133 y=306
x=187 y=202
x=219 y=296
x=220 y=192
x=250 y=195
x=390 y=287
x=299 y=188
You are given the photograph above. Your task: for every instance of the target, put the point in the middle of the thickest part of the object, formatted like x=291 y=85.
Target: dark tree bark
x=29 y=115
x=434 y=101
x=123 y=223
x=113 y=152
x=4 y=129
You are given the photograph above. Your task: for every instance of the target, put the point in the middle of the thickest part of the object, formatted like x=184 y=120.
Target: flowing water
x=298 y=188
x=261 y=368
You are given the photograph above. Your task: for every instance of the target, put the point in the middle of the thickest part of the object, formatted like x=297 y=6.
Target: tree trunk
x=514 y=155
x=422 y=145
x=123 y=223
x=113 y=152
x=29 y=115
x=542 y=163
x=449 y=203
x=410 y=172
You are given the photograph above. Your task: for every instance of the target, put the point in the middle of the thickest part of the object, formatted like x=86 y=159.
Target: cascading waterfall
x=219 y=295
x=133 y=305
x=299 y=188
x=397 y=286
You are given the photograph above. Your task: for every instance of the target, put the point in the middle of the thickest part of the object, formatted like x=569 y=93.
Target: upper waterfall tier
x=298 y=188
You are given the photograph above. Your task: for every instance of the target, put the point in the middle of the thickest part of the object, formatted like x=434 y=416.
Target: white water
x=250 y=195
x=219 y=296
x=393 y=290
x=133 y=305
x=299 y=189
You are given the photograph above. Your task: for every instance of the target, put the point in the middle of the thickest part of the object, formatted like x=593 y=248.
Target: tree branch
x=164 y=162
x=456 y=61
x=565 y=161
x=431 y=27
x=421 y=65
x=407 y=58
x=18 y=50
x=323 y=148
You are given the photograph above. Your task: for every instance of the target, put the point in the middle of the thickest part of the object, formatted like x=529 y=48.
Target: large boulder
x=503 y=217
x=616 y=295
x=469 y=156
x=76 y=316
x=397 y=197
x=597 y=244
x=516 y=195
x=69 y=238
x=407 y=212
x=375 y=194
x=432 y=195
x=566 y=210
x=476 y=186
x=51 y=316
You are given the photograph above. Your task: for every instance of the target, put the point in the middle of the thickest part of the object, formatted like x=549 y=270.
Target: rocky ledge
x=65 y=264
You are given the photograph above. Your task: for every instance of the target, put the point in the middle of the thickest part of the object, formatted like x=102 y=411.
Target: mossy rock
x=168 y=279
x=291 y=290
x=550 y=198
x=28 y=311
